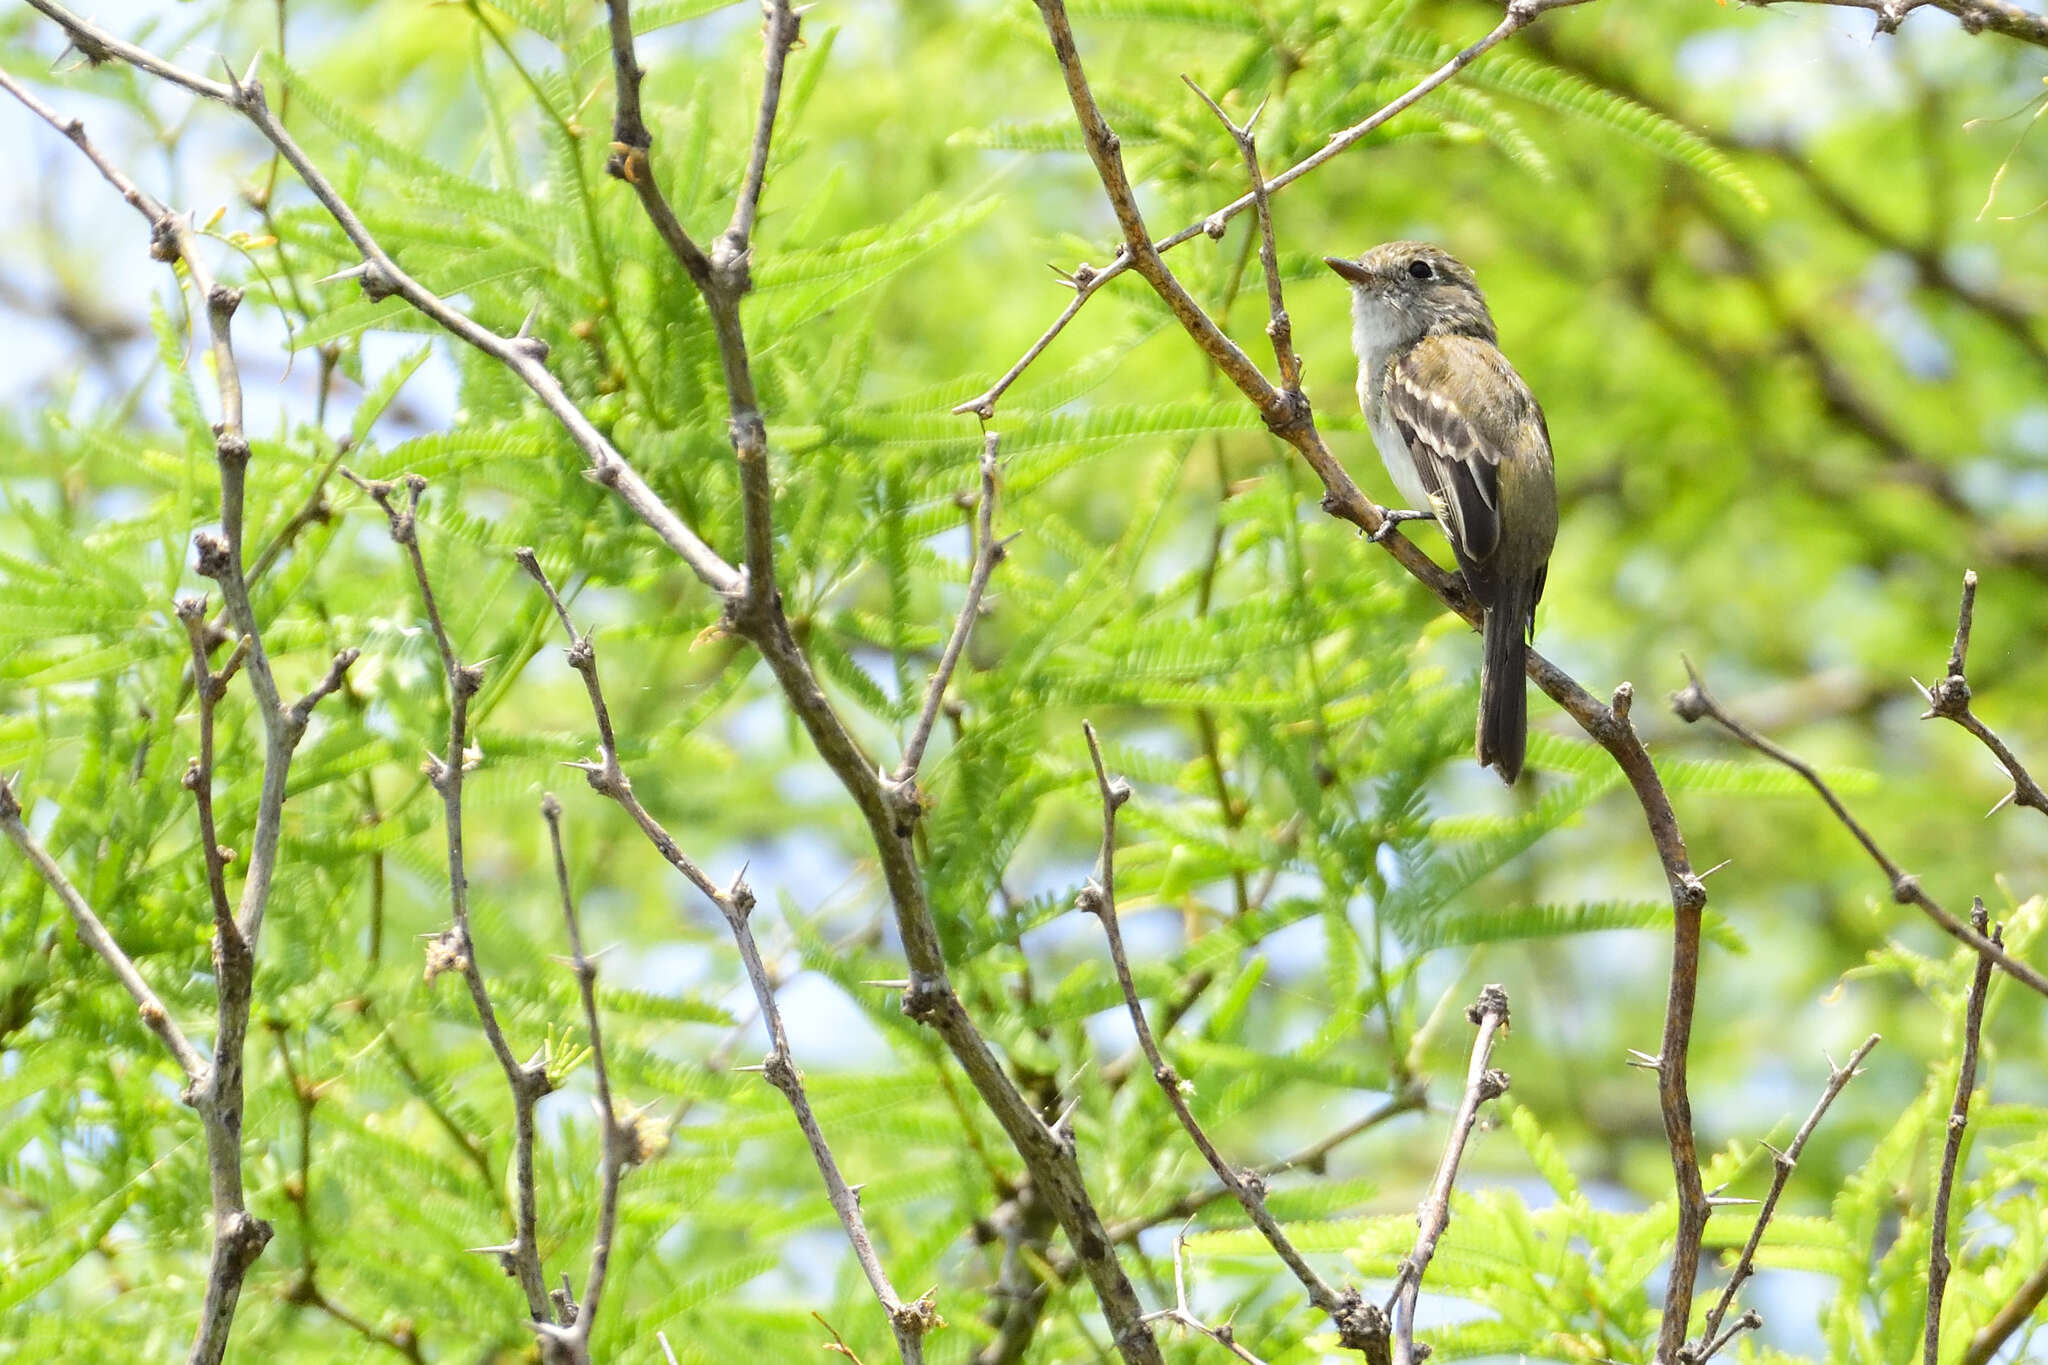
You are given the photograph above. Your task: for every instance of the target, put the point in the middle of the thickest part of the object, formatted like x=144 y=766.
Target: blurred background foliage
x=1794 y=373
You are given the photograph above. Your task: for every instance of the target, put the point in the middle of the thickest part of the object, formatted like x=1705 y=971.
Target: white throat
x=1378 y=332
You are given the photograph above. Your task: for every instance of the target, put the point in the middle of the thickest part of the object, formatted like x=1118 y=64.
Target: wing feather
x=1457 y=403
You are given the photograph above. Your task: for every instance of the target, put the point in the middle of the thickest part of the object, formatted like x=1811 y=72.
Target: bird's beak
x=1349 y=269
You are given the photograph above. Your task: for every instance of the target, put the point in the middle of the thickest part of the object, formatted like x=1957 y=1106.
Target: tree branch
x=1745 y=1264
x=1999 y=16
x=454 y=948
x=1360 y=1326
x=1490 y=1014
x=1695 y=702
x=1950 y=698
x=2017 y=1313
x=1958 y=1118
x=93 y=933
x=619 y=1145
x=988 y=552
x=909 y=1321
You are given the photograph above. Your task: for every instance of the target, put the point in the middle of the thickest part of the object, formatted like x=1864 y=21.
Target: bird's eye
x=1420 y=269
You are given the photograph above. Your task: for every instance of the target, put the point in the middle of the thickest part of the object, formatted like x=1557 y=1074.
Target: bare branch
x=1711 y=1341
x=1950 y=698
x=93 y=933
x=780 y=26
x=2017 y=1313
x=1360 y=1326
x=1180 y=1313
x=909 y=1321
x=1519 y=15
x=1695 y=702
x=1278 y=327
x=1958 y=1115
x=454 y=949
x=1490 y=1014
x=619 y=1146
x=1998 y=16
x=988 y=552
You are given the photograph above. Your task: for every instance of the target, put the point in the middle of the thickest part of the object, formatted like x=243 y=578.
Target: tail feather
x=1503 y=692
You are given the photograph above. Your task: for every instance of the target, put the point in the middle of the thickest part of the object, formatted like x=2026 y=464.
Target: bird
x=1467 y=446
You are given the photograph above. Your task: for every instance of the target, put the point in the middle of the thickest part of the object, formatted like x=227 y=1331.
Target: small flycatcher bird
x=1466 y=444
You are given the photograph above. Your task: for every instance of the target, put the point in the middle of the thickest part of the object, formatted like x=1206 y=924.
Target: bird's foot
x=1390 y=520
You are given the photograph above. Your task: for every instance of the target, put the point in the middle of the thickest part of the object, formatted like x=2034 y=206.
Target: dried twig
x=910 y=1321
x=620 y=1145
x=1482 y=1083
x=1958 y=1116
x=1950 y=698
x=454 y=948
x=1360 y=1326
x=1695 y=702
x=988 y=552
x=381 y=277
x=1180 y=1312
x=1711 y=1337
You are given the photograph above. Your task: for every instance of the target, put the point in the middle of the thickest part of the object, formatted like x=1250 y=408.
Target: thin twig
x=1278 y=326
x=910 y=1321
x=619 y=1146
x=2017 y=1313
x=1520 y=14
x=93 y=933
x=1695 y=701
x=988 y=552
x=1783 y=1162
x=1950 y=698
x=1360 y=1326
x=454 y=948
x=1180 y=1312
x=754 y=611
x=1958 y=1117
x=1482 y=1083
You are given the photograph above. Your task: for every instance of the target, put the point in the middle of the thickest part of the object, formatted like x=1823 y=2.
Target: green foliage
x=1313 y=877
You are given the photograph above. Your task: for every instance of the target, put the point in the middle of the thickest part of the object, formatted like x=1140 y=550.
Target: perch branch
x=1289 y=417
x=1490 y=1014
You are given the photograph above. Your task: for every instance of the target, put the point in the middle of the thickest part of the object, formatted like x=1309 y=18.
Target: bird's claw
x=1390 y=521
